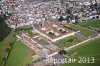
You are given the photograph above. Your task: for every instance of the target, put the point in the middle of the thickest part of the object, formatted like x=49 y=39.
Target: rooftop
x=53 y=30
x=39 y=42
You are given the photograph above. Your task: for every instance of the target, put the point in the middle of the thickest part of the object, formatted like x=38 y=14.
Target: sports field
x=91 y=24
x=20 y=55
x=89 y=49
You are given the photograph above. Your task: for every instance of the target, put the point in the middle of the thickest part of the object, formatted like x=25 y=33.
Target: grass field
x=84 y=31
x=66 y=41
x=5 y=44
x=20 y=55
x=89 y=24
x=89 y=49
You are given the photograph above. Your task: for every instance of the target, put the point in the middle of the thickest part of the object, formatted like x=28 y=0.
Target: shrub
x=70 y=40
x=61 y=52
x=50 y=33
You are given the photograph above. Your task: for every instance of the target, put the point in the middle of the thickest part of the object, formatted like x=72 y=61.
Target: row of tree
x=4 y=29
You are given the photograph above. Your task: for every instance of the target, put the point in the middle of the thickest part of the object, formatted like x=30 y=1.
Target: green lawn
x=84 y=31
x=20 y=55
x=89 y=24
x=5 y=44
x=64 y=42
x=89 y=49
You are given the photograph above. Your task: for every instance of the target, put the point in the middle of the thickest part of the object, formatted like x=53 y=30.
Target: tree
x=7 y=50
x=14 y=35
x=4 y=29
x=61 y=19
x=3 y=59
x=69 y=11
x=10 y=44
x=62 y=2
x=62 y=31
x=62 y=52
x=30 y=33
x=50 y=33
